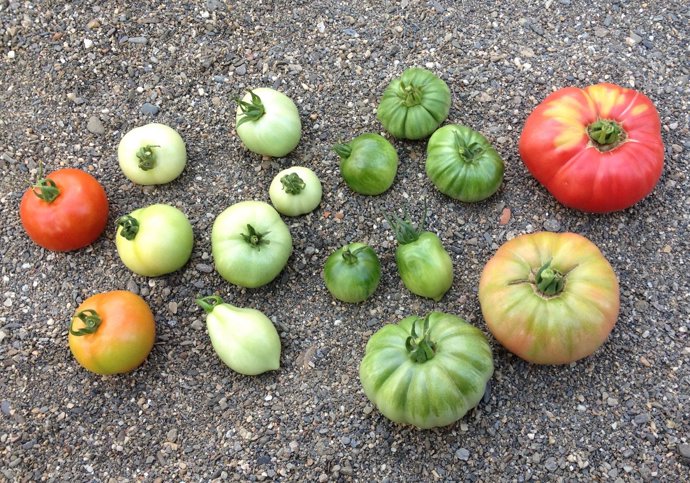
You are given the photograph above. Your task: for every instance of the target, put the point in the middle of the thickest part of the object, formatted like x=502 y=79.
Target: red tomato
x=112 y=332
x=66 y=210
x=597 y=149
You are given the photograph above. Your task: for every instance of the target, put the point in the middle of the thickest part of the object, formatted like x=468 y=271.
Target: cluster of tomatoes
x=550 y=298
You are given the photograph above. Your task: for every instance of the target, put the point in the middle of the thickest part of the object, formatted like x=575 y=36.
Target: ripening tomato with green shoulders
x=112 y=332
x=549 y=298
x=66 y=210
x=597 y=149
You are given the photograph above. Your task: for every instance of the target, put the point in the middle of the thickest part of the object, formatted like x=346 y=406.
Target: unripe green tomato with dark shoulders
x=352 y=273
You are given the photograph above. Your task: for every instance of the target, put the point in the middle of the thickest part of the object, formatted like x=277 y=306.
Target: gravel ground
x=76 y=77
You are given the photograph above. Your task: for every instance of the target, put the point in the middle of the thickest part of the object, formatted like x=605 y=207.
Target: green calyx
x=404 y=231
x=91 y=321
x=468 y=151
x=45 y=188
x=147 y=157
x=343 y=150
x=548 y=281
x=251 y=111
x=350 y=257
x=254 y=238
x=606 y=134
x=410 y=94
x=420 y=347
x=292 y=184
x=209 y=303
x=129 y=227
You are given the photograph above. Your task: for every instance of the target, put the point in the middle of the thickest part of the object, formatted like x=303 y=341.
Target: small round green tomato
x=268 y=123
x=427 y=372
x=295 y=191
x=250 y=244
x=414 y=104
x=352 y=272
x=244 y=339
x=368 y=163
x=154 y=240
x=152 y=154
x=462 y=163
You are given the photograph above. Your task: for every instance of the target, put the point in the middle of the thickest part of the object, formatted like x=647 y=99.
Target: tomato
x=154 y=240
x=462 y=163
x=250 y=244
x=268 y=122
x=414 y=104
x=368 y=163
x=352 y=272
x=295 y=191
x=152 y=154
x=112 y=332
x=550 y=298
x=244 y=339
x=597 y=149
x=66 y=210
x=427 y=372
x=425 y=267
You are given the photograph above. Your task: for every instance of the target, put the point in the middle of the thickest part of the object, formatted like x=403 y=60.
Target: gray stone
x=150 y=109
x=95 y=126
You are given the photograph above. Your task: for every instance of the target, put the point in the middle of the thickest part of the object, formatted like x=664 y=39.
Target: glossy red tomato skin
x=73 y=220
x=558 y=151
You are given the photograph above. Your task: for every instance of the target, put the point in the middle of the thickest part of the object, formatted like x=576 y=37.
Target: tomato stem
x=403 y=229
x=350 y=257
x=549 y=282
x=421 y=348
x=255 y=238
x=251 y=111
x=468 y=152
x=209 y=302
x=130 y=226
x=147 y=157
x=410 y=94
x=292 y=184
x=46 y=189
x=343 y=150
x=91 y=321
x=606 y=134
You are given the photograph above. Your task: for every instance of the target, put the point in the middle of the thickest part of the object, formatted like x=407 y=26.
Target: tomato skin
x=352 y=272
x=368 y=163
x=277 y=131
x=462 y=163
x=560 y=153
x=414 y=104
x=430 y=393
x=124 y=337
x=549 y=328
x=243 y=338
x=73 y=220
x=295 y=201
x=240 y=261
x=425 y=267
x=162 y=244
x=166 y=160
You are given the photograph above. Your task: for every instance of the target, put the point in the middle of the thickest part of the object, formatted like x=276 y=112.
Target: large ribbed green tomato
x=550 y=298
x=462 y=163
x=414 y=104
x=268 y=123
x=250 y=243
x=427 y=372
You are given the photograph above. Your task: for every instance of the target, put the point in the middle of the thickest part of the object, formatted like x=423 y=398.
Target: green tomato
x=352 y=272
x=414 y=104
x=244 y=339
x=550 y=298
x=295 y=191
x=152 y=154
x=425 y=267
x=268 y=122
x=368 y=163
x=250 y=244
x=154 y=240
x=427 y=372
x=462 y=163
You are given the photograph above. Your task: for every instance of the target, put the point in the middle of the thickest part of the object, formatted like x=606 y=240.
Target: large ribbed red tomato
x=597 y=149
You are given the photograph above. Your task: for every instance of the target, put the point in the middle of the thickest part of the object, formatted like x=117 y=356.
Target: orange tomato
x=112 y=332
